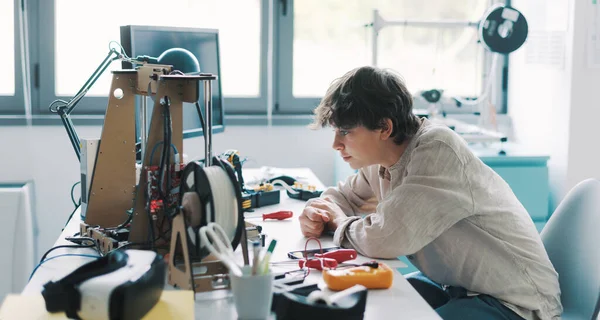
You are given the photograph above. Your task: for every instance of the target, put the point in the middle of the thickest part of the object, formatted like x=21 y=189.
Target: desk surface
x=400 y=299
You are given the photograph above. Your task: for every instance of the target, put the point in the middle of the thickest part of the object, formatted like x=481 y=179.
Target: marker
x=265 y=261
x=255 y=256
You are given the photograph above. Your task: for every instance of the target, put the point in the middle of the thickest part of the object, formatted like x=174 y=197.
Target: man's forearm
x=338 y=220
x=341 y=225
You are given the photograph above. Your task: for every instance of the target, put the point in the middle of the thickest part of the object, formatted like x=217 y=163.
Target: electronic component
x=154 y=194
x=252 y=197
x=302 y=192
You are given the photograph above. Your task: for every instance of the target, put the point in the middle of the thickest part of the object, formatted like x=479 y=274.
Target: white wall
x=584 y=130
x=552 y=105
x=43 y=154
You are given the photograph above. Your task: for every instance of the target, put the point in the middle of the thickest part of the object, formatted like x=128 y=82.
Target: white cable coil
x=225 y=201
x=285 y=185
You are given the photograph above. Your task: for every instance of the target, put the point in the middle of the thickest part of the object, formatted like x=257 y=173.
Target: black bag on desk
x=295 y=305
x=121 y=285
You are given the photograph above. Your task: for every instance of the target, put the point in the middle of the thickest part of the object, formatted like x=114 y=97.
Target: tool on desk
x=318 y=264
x=254 y=234
x=252 y=197
x=216 y=241
x=302 y=254
x=290 y=278
x=380 y=277
x=321 y=260
x=304 y=192
x=326 y=264
x=299 y=191
x=264 y=265
x=294 y=303
x=340 y=255
x=332 y=299
x=255 y=257
x=279 y=215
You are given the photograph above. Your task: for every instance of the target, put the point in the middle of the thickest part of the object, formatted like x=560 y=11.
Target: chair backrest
x=572 y=240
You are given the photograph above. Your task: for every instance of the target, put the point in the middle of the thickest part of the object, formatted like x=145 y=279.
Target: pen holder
x=252 y=295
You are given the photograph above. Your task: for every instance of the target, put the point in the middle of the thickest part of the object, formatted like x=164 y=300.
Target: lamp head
x=181 y=59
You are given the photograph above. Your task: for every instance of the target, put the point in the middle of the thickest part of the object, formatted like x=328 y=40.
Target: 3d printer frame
x=113 y=191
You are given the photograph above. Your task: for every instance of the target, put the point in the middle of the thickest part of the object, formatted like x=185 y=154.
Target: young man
x=458 y=222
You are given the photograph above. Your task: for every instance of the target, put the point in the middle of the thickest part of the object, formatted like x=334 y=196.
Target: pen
x=255 y=256
x=265 y=261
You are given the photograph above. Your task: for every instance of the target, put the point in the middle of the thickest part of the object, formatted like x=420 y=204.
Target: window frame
x=286 y=103
x=256 y=105
x=275 y=98
x=89 y=105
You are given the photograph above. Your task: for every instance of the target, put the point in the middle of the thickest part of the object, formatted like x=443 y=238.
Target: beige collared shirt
x=456 y=218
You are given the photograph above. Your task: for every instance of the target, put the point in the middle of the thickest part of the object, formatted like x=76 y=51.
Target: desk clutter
x=339 y=273
x=344 y=294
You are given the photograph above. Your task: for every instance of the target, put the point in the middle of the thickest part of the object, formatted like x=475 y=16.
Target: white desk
x=400 y=301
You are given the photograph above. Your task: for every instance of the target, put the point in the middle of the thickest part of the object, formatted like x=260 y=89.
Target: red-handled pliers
x=340 y=255
x=279 y=215
x=318 y=264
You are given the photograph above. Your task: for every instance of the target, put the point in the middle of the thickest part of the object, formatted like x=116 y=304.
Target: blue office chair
x=572 y=238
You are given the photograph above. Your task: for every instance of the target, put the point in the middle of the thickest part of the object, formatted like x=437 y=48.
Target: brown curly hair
x=367 y=96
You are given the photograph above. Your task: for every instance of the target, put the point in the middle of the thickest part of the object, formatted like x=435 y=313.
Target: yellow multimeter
x=380 y=277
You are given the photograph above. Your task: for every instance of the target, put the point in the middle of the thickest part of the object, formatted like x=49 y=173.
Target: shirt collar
x=405 y=157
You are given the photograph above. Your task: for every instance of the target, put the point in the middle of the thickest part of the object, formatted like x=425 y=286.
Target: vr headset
x=125 y=284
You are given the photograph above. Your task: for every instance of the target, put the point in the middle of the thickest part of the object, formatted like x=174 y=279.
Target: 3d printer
x=120 y=213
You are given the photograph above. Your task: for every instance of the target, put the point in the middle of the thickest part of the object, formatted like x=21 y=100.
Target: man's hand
x=320 y=213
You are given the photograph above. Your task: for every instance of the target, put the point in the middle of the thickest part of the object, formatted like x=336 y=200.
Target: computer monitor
x=202 y=43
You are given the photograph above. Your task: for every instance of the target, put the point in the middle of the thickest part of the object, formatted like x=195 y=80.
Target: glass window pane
x=7 y=38
x=334 y=39
x=84 y=29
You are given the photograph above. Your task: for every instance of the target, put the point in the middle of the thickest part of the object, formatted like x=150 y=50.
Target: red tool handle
x=279 y=215
x=339 y=255
x=317 y=264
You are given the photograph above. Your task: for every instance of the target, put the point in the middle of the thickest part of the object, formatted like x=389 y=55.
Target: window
x=11 y=96
x=309 y=44
x=330 y=38
x=7 y=37
x=83 y=31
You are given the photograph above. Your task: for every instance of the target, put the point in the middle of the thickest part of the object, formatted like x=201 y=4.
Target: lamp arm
x=93 y=78
x=73 y=137
x=65 y=110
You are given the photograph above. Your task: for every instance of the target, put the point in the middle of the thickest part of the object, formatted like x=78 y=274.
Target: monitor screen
x=202 y=43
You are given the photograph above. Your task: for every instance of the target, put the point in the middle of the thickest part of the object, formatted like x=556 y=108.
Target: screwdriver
x=339 y=255
x=318 y=264
x=279 y=215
